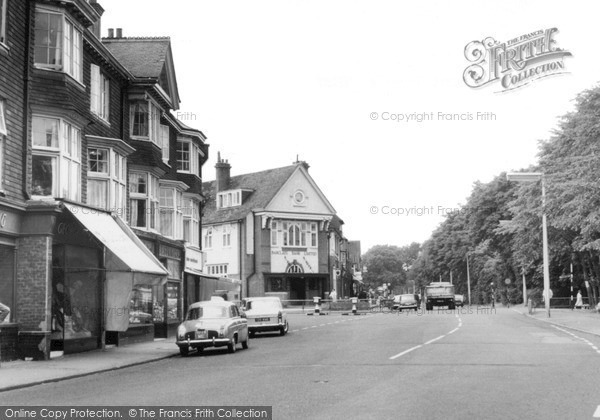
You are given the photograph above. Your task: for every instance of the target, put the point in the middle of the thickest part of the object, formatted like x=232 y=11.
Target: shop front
x=297 y=287
x=102 y=281
x=10 y=221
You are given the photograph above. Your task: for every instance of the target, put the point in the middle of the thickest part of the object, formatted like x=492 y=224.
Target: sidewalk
x=582 y=320
x=21 y=374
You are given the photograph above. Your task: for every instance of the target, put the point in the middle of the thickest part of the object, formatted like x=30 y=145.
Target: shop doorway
x=297 y=289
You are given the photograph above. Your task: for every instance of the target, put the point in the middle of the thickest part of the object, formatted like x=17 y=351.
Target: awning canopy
x=125 y=251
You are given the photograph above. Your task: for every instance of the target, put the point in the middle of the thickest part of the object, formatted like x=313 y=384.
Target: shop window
x=173 y=295
x=7 y=283
x=143 y=203
x=56 y=158
x=140 y=307
x=277 y=285
x=99 y=93
x=58 y=43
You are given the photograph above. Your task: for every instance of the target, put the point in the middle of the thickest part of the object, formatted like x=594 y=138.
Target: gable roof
x=264 y=186
x=147 y=58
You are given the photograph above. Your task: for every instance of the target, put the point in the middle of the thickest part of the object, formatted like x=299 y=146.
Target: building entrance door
x=297 y=289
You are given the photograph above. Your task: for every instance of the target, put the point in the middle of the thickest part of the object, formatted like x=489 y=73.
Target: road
x=464 y=364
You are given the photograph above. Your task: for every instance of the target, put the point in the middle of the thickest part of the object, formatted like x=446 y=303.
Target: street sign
x=548 y=292
x=507 y=281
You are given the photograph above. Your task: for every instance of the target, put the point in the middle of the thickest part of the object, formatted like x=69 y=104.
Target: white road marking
x=435 y=339
x=428 y=342
x=314 y=326
x=597 y=412
x=322 y=325
x=588 y=342
x=305 y=328
x=406 y=351
x=295 y=330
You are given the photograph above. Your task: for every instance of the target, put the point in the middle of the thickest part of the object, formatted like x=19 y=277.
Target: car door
x=240 y=324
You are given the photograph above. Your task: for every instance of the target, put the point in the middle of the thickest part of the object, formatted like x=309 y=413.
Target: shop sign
x=169 y=252
x=9 y=222
x=193 y=259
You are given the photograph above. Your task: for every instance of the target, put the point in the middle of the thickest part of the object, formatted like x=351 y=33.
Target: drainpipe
x=26 y=98
x=240 y=249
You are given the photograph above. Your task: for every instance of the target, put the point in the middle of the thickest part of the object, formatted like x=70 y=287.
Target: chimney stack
x=119 y=32
x=111 y=33
x=223 y=174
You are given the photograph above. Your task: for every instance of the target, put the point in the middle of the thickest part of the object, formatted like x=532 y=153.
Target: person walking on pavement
x=579 y=302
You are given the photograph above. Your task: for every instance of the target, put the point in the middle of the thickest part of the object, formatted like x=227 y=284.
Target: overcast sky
x=269 y=80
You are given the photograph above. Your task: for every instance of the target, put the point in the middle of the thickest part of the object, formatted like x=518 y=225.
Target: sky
x=270 y=80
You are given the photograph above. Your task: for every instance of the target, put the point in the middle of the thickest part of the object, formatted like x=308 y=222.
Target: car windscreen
x=263 y=305
x=206 y=312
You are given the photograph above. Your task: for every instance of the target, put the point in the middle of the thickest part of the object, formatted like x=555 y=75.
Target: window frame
x=66 y=154
x=294 y=233
x=207 y=238
x=3 y=7
x=176 y=210
x=71 y=46
x=99 y=93
x=115 y=179
x=193 y=157
x=150 y=198
x=165 y=137
x=191 y=214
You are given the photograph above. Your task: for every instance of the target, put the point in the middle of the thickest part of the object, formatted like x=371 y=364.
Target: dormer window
x=227 y=199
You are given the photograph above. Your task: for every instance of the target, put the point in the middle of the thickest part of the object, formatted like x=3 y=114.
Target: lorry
x=439 y=294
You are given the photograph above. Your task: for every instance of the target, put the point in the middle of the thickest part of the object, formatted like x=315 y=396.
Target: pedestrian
x=4 y=313
x=333 y=296
x=579 y=302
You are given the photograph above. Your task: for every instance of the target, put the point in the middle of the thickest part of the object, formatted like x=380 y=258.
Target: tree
x=386 y=263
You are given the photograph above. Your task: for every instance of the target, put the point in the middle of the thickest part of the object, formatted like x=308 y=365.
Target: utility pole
x=468 y=280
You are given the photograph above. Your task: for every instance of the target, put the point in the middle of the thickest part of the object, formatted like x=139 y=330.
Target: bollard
x=354 y=302
x=317 y=300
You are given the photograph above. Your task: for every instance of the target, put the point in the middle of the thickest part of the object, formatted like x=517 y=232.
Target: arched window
x=295 y=268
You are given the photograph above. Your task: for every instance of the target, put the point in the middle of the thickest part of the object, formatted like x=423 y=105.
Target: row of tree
x=498 y=231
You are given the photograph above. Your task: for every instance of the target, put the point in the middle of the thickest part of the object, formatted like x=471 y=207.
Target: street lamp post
x=533 y=177
x=468 y=280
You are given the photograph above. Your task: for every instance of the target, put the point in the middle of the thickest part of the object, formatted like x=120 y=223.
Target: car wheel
x=184 y=351
x=245 y=343
x=284 y=329
x=232 y=345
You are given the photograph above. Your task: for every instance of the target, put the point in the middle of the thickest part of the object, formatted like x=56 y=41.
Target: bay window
x=3 y=21
x=58 y=43
x=164 y=143
x=171 y=214
x=106 y=179
x=188 y=157
x=143 y=200
x=3 y=134
x=99 y=93
x=191 y=221
x=56 y=158
x=145 y=122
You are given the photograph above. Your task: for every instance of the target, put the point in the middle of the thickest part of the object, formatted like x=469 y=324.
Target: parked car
x=402 y=302
x=459 y=300
x=265 y=314
x=214 y=323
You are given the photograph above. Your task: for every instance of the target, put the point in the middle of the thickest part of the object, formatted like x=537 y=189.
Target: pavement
x=22 y=373
x=582 y=320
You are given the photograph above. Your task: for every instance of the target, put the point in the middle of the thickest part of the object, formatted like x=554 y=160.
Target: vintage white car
x=265 y=314
x=213 y=323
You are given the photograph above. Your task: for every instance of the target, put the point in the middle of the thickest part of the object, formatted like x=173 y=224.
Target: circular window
x=299 y=197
